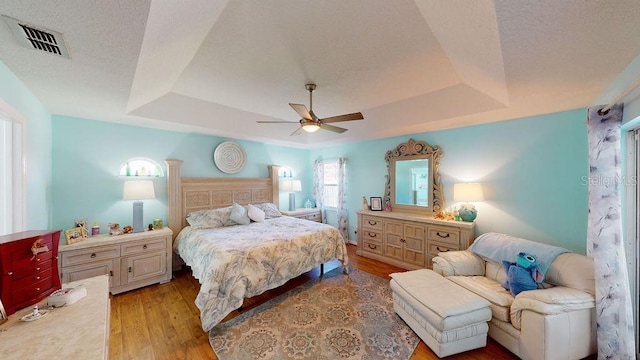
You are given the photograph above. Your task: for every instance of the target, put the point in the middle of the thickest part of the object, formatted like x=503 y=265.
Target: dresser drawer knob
x=443 y=236
x=373 y=247
x=440 y=250
x=111 y=273
x=144 y=246
x=93 y=255
x=129 y=268
x=403 y=240
x=372 y=235
x=37 y=289
x=372 y=222
x=37 y=269
x=10 y=273
x=37 y=277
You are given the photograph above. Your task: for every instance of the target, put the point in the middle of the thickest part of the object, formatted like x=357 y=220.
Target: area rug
x=337 y=316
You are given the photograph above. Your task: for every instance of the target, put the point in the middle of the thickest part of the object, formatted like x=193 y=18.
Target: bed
x=233 y=262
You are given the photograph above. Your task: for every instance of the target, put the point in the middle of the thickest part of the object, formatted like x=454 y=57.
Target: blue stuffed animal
x=524 y=274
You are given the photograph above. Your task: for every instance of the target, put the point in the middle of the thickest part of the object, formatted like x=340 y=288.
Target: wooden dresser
x=407 y=240
x=131 y=260
x=28 y=276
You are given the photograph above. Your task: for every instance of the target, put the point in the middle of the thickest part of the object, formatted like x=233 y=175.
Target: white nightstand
x=131 y=260
x=312 y=214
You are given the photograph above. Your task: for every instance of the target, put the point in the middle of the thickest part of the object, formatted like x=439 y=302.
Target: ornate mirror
x=413 y=182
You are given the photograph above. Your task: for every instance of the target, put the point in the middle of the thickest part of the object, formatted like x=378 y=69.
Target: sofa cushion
x=460 y=263
x=495 y=271
x=572 y=270
x=500 y=298
x=551 y=301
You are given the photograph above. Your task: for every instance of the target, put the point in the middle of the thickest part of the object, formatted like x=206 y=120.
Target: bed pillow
x=210 y=219
x=270 y=210
x=255 y=213
x=239 y=214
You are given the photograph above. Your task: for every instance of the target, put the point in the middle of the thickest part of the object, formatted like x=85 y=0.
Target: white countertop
x=76 y=331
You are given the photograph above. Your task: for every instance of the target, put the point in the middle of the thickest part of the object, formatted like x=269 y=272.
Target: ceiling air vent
x=41 y=39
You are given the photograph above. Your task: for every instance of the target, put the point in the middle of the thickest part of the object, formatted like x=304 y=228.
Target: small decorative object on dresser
x=365 y=203
x=376 y=203
x=74 y=235
x=114 y=229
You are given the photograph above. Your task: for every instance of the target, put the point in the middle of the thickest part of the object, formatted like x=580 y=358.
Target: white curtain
x=343 y=215
x=604 y=236
x=318 y=187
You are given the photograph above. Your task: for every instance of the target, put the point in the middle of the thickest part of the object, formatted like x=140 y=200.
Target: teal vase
x=467 y=215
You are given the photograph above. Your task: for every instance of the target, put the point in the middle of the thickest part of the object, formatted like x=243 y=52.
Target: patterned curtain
x=343 y=215
x=318 y=187
x=604 y=236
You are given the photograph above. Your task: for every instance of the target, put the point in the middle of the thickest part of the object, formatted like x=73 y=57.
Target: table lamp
x=138 y=191
x=292 y=186
x=467 y=192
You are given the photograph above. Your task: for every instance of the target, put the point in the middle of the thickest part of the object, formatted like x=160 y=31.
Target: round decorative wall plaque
x=229 y=157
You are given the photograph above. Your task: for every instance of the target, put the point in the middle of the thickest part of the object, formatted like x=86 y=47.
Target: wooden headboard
x=185 y=195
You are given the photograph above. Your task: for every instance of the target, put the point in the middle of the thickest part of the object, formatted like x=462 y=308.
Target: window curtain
x=343 y=215
x=604 y=236
x=318 y=187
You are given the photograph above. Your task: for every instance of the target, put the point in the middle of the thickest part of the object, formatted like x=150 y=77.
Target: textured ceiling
x=216 y=67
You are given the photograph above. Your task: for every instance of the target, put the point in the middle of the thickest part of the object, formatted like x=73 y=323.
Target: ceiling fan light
x=310 y=128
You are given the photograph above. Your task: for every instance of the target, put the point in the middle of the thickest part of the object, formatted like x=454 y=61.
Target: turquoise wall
x=36 y=125
x=532 y=170
x=87 y=155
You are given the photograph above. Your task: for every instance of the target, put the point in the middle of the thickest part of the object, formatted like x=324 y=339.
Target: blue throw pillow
x=239 y=215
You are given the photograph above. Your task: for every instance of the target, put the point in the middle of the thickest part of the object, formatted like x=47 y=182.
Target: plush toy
x=524 y=274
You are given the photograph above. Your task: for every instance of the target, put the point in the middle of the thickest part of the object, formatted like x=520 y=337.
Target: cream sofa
x=556 y=322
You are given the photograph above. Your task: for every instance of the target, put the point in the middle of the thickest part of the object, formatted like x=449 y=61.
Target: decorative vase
x=467 y=215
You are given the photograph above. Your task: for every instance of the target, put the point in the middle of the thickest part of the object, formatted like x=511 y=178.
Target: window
x=141 y=167
x=330 y=184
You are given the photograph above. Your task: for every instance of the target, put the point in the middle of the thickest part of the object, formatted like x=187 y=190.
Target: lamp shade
x=291 y=185
x=138 y=190
x=467 y=192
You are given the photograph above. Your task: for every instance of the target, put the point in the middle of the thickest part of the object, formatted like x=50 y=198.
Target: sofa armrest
x=460 y=263
x=549 y=301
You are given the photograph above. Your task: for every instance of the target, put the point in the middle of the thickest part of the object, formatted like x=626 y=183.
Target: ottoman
x=447 y=317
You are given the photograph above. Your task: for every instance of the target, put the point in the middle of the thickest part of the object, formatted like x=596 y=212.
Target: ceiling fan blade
x=302 y=111
x=297 y=132
x=276 y=122
x=336 y=129
x=345 y=117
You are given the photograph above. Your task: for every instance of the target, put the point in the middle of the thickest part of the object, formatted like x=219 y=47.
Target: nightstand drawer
x=313 y=217
x=139 y=247
x=372 y=223
x=89 y=255
x=444 y=235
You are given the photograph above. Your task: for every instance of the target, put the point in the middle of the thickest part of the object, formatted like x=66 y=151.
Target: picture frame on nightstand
x=376 y=203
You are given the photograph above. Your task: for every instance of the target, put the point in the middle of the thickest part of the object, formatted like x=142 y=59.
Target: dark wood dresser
x=28 y=268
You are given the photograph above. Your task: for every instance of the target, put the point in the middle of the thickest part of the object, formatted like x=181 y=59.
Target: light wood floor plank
x=162 y=322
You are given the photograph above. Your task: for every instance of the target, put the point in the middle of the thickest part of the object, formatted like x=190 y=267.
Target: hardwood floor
x=162 y=321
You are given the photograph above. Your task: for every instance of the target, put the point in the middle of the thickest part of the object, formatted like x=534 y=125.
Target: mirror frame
x=413 y=150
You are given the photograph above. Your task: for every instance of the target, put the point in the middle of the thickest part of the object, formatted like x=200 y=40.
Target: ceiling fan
x=310 y=122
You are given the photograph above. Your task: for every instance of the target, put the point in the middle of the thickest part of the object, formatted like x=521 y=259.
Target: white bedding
x=236 y=262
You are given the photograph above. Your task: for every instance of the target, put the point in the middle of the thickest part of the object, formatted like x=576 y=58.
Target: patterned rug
x=334 y=317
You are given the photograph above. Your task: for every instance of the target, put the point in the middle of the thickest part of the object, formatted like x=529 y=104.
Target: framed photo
x=376 y=203
x=75 y=235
